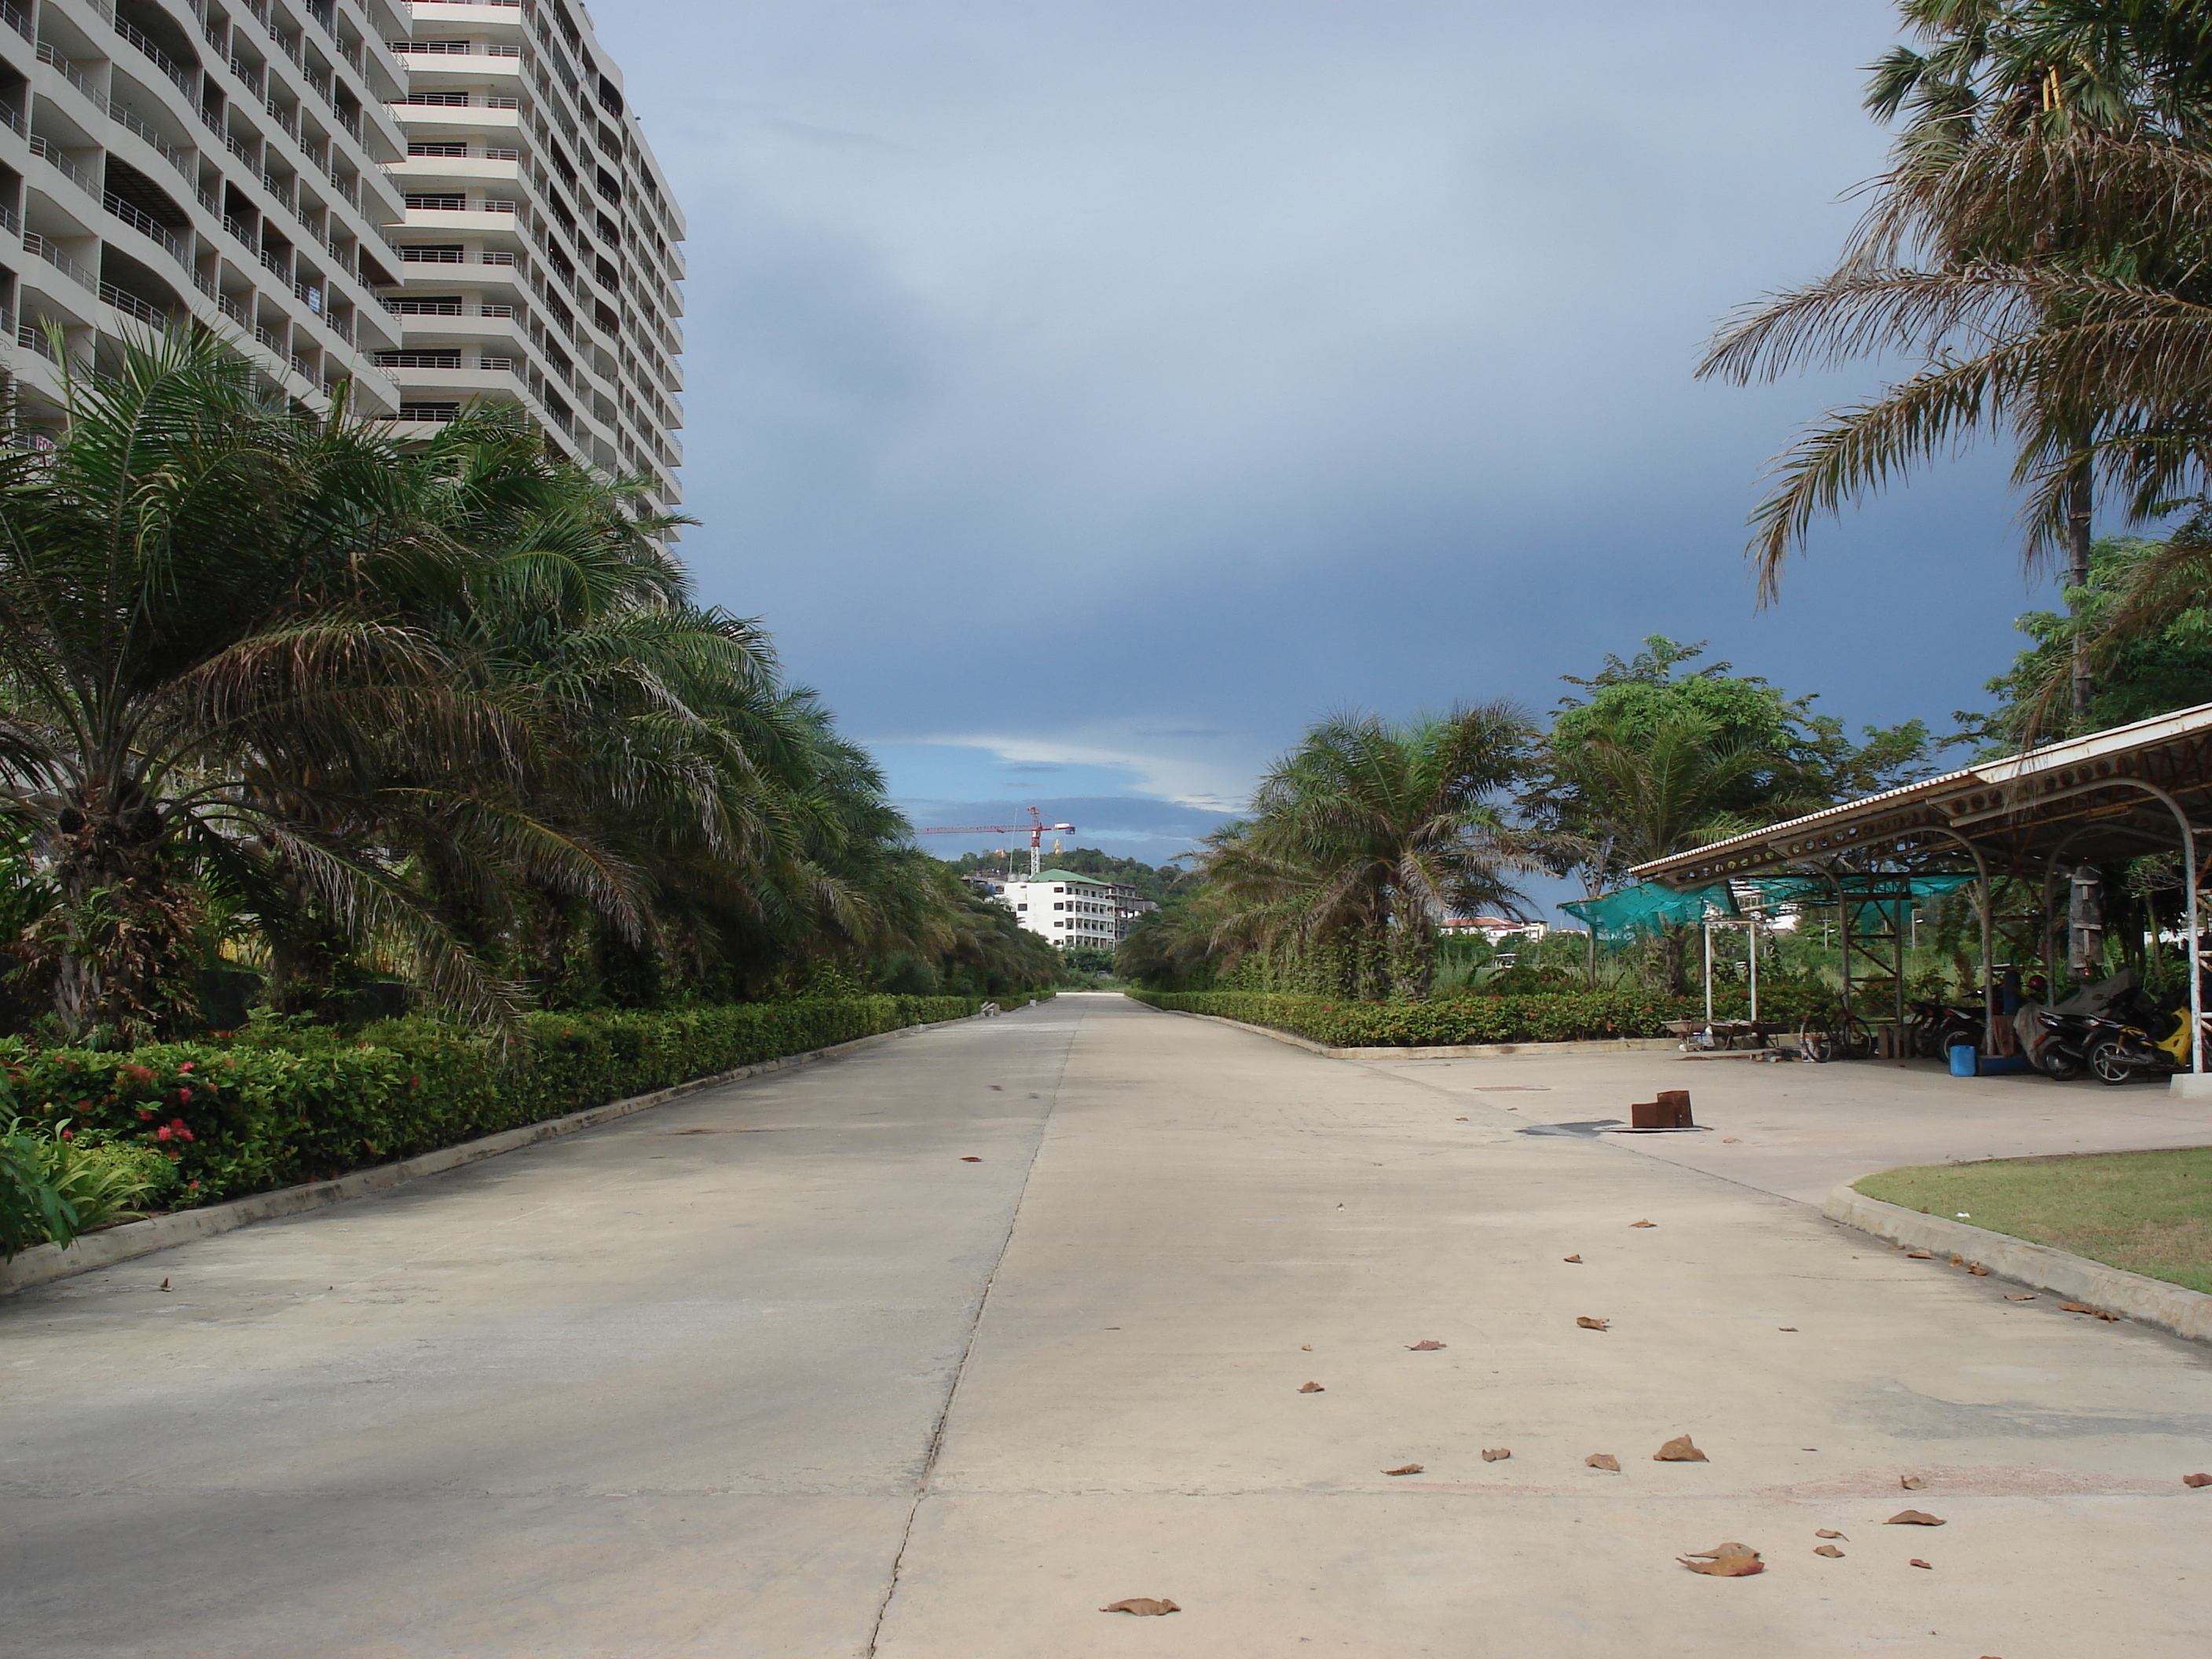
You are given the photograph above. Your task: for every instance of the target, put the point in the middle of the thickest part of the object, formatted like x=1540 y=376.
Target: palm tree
x=200 y=649
x=1367 y=835
x=2051 y=175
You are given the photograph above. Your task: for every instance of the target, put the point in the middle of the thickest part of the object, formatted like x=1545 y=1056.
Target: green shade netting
x=1638 y=911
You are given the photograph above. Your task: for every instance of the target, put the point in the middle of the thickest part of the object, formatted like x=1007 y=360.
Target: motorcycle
x=2056 y=1038
x=2129 y=1050
x=1937 y=1025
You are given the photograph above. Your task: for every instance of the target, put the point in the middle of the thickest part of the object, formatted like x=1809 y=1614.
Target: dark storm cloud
x=1120 y=385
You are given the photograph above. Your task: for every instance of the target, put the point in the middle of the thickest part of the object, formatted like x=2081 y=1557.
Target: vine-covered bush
x=1536 y=1017
x=280 y=1104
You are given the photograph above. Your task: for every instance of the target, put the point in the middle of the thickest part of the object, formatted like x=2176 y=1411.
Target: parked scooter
x=1937 y=1025
x=2129 y=1050
x=2057 y=1039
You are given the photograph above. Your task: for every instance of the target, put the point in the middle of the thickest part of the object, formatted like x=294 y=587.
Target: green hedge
x=1532 y=1017
x=276 y=1107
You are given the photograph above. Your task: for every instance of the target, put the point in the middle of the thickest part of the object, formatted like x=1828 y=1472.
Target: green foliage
x=288 y=1100
x=32 y=1209
x=1447 y=1022
x=1152 y=882
x=2160 y=668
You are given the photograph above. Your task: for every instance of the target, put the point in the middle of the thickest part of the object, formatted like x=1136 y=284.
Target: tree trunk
x=2080 y=497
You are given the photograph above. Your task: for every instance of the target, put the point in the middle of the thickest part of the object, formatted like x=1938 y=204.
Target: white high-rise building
x=225 y=161
x=448 y=203
x=541 y=248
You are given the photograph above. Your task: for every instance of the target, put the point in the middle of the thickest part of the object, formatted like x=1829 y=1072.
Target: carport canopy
x=2111 y=796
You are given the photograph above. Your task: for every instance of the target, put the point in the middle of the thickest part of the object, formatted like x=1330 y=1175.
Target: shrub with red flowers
x=281 y=1103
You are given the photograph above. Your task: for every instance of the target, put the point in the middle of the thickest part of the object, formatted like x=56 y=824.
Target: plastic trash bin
x=1963 y=1060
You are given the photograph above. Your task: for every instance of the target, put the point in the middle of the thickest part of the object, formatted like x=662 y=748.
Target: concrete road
x=774 y=1371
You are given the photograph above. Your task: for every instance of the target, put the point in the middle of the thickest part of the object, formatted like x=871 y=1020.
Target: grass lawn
x=2150 y=1212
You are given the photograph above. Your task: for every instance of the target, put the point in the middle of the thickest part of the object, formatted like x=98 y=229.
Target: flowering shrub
x=269 y=1107
x=1527 y=1017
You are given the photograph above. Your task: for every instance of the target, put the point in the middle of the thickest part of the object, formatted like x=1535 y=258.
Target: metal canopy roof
x=2111 y=795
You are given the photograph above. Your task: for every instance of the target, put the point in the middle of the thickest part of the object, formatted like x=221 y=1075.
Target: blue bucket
x=1963 y=1060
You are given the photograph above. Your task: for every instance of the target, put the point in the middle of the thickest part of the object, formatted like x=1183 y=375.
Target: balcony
x=34 y=243
x=160 y=60
x=131 y=306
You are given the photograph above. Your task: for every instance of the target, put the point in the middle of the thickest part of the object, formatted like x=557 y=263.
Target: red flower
x=184 y=1096
x=163 y=1133
x=143 y=1114
x=187 y=1066
x=69 y=1135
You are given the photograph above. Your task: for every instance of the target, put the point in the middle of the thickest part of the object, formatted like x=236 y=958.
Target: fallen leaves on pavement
x=1311 y=1387
x=1679 y=1450
x=2021 y=1296
x=1603 y=1460
x=1589 y=1324
x=1724 y=1561
x=1643 y=1224
x=1828 y=1550
x=1426 y=1345
x=971 y=1160
x=1405 y=1468
x=1914 y=1518
x=1916 y=1561
x=1494 y=1454
x=1910 y=1482
x=1827 y=1532
x=1145 y=1607
x=1978 y=1271
x=2083 y=1307
x=1916 y=1255
x=2196 y=1479
x=1576 y=1257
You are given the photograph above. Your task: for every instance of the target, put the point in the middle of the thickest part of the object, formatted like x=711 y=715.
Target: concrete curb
x=42 y=1262
x=1463 y=1051
x=2146 y=1300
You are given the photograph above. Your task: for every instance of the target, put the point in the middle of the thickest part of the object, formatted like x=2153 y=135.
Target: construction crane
x=1036 y=826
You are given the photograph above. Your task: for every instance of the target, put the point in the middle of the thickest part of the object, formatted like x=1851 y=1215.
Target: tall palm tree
x=1367 y=833
x=2050 y=179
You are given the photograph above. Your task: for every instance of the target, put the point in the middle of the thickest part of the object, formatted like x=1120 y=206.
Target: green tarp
x=1638 y=911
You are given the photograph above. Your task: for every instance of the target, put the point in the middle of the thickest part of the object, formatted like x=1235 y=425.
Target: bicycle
x=1843 y=1037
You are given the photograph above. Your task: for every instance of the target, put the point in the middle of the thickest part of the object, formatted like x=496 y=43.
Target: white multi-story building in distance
x=541 y=248
x=221 y=160
x=1068 y=909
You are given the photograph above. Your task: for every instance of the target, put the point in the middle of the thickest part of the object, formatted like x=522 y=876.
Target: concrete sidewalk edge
x=1463 y=1051
x=2148 y=1301
x=44 y=1262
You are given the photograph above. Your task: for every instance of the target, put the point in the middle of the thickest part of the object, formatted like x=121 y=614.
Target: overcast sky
x=1090 y=393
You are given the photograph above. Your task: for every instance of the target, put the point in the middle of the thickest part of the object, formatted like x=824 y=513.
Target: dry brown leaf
x=1494 y=1454
x=1785 y=1327
x=1305 y=1347
x=1914 y=1518
x=1828 y=1550
x=1827 y=1532
x=1311 y=1387
x=2109 y=1318
x=1603 y=1460
x=1678 y=1450
x=165 y=1285
x=1916 y=1561
x=1729 y=1140
x=2021 y=1296
x=1405 y=1468
x=971 y=1160
x=2075 y=1307
x=1576 y=1257
x=1958 y=1261
x=1459 y=1120
x=1426 y=1345
x=1916 y=1255
x=1978 y=1271
x=1725 y=1561
x=1145 y=1607
x=2196 y=1479
x=1589 y=1324
x=1910 y=1482
x=1643 y=1224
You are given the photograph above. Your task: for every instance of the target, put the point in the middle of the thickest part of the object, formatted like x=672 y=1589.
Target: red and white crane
x=1036 y=826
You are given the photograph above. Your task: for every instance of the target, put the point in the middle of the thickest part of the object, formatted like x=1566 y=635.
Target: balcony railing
x=146 y=224
x=252 y=77
x=16 y=18
x=169 y=152
x=230 y=309
x=68 y=71
x=268 y=338
x=12 y=117
x=276 y=266
x=62 y=164
x=238 y=228
x=131 y=305
x=34 y=243
x=160 y=59
x=33 y=337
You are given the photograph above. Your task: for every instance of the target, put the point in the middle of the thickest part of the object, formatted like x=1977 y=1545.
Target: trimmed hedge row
x=269 y=1109
x=1532 y=1017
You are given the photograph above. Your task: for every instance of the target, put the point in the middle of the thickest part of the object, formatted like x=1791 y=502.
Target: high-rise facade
x=227 y=161
x=540 y=249
x=446 y=204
